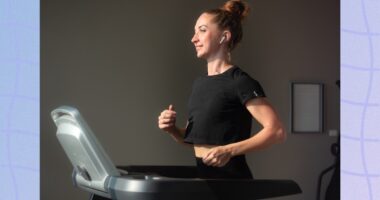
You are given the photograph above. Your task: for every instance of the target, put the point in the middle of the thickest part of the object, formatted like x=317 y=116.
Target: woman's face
x=206 y=37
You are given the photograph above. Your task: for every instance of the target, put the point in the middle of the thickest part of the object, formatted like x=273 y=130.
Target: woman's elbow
x=280 y=134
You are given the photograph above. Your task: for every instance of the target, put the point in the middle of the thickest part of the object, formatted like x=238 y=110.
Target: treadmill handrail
x=90 y=161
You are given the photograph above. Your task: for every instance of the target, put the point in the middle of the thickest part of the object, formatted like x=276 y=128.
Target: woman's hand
x=167 y=119
x=217 y=156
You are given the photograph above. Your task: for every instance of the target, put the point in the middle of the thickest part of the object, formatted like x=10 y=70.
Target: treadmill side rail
x=158 y=188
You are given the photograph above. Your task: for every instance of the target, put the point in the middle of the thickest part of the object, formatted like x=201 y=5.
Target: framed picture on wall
x=306 y=107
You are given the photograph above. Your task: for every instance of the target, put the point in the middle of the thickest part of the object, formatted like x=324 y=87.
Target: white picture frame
x=306 y=107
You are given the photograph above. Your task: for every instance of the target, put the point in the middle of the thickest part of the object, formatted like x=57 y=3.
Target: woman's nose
x=194 y=39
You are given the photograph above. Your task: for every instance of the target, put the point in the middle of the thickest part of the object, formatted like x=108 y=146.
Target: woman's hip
x=235 y=168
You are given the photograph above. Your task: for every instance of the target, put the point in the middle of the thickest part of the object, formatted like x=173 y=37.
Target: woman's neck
x=218 y=65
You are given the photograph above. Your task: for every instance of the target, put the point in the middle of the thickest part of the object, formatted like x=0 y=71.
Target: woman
x=222 y=104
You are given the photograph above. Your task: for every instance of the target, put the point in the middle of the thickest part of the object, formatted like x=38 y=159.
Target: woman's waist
x=200 y=150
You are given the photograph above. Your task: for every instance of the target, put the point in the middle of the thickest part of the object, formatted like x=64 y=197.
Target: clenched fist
x=167 y=119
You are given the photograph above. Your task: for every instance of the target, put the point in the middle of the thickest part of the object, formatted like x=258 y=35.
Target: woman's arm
x=166 y=122
x=272 y=132
x=177 y=134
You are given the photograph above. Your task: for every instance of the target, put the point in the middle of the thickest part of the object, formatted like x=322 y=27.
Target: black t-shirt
x=217 y=112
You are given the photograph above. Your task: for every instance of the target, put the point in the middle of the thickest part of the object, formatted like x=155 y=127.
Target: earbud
x=222 y=40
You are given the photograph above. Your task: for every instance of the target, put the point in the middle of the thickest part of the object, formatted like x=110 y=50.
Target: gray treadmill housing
x=92 y=166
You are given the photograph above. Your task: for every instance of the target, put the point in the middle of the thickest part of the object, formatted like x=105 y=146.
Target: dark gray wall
x=122 y=62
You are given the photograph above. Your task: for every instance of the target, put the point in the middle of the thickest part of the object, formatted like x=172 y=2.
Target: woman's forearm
x=266 y=137
x=178 y=134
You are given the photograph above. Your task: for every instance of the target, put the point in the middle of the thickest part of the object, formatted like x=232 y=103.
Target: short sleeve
x=248 y=88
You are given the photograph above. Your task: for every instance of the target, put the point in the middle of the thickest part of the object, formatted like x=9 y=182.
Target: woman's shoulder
x=246 y=86
x=240 y=75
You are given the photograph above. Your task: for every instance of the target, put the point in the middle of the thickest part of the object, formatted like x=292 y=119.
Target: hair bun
x=237 y=8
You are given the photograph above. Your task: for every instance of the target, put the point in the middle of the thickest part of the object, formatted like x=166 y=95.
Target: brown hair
x=230 y=16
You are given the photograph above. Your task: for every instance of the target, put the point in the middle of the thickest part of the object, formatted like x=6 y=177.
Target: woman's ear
x=227 y=35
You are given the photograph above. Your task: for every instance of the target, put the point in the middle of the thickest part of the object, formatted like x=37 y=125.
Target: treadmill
x=95 y=173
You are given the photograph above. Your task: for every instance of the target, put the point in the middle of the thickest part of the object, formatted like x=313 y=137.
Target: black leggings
x=236 y=168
